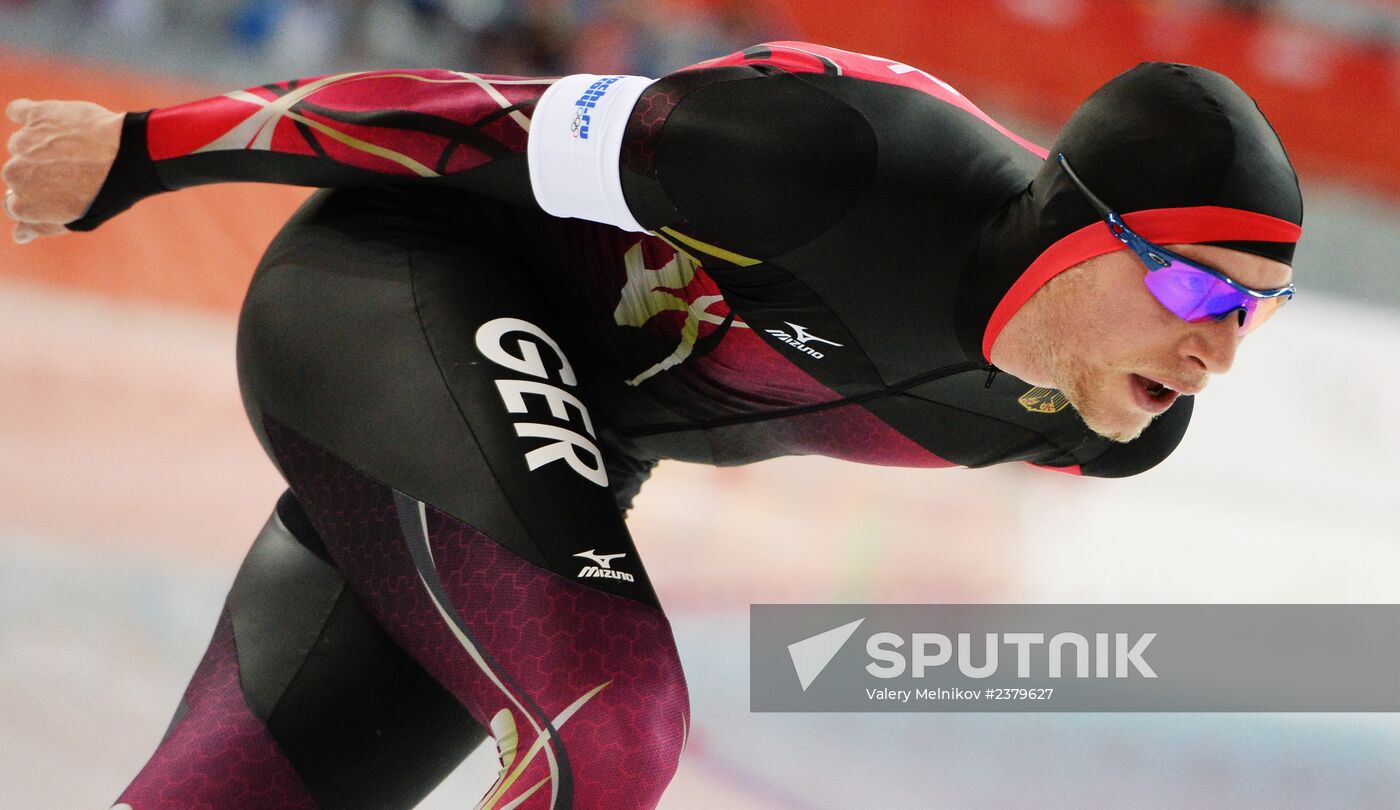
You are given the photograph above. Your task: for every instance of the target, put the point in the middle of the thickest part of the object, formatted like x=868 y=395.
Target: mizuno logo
x=807 y=337
x=604 y=560
x=800 y=339
x=602 y=568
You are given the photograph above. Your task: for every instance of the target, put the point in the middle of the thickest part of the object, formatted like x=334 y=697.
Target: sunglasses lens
x=1264 y=309
x=1195 y=295
x=1190 y=294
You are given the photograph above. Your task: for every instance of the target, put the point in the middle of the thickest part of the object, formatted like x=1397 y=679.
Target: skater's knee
x=633 y=745
x=615 y=741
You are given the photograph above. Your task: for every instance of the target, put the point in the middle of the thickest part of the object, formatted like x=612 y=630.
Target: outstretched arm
x=735 y=159
x=76 y=164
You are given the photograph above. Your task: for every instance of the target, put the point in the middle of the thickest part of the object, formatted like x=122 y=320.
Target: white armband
x=575 y=147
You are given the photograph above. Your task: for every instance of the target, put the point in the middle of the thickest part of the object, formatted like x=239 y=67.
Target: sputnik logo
x=811 y=655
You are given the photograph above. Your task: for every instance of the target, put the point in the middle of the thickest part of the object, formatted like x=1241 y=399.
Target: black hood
x=1170 y=136
x=1183 y=147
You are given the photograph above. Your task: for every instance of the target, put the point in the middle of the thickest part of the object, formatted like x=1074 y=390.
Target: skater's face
x=1120 y=357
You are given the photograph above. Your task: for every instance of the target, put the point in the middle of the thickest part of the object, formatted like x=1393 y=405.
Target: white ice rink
x=130 y=487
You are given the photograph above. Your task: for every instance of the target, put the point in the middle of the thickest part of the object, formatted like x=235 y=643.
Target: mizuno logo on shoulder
x=799 y=337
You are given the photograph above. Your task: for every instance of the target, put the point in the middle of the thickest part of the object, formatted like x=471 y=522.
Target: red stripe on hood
x=1205 y=223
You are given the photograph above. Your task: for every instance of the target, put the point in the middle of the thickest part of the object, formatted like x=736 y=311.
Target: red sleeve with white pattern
x=416 y=126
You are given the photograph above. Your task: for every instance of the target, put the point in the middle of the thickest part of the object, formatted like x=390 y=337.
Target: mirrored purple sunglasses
x=1191 y=291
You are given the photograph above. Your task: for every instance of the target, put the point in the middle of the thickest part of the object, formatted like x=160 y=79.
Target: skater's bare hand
x=59 y=159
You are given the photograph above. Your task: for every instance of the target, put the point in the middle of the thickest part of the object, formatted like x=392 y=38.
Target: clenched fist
x=59 y=159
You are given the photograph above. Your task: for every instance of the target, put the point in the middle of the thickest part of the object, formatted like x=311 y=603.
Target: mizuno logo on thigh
x=602 y=567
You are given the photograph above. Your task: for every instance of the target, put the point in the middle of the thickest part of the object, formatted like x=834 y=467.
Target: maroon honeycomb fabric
x=526 y=641
x=218 y=755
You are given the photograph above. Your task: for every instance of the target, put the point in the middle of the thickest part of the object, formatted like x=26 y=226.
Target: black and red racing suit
x=461 y=389
x=822 y=267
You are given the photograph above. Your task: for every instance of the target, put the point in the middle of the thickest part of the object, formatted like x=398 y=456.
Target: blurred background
x=131 y=485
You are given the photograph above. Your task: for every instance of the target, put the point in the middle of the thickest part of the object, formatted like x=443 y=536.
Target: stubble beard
x=1089 y=389
x=1091 y=396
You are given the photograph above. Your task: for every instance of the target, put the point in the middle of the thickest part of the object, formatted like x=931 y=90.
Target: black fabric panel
x=975 y=421
x=627 y=468
x=296 y=521
x=645 y=197
x=329 y=344
x=278 y=604
x=768 y=297
x=558 y=510
x=365 y=727
x=1261 y=177
x=1278 y=251
x=766 y=163
x=358 y=334
x=1149 y=449
x=891 y=267
x=506 y=178
x=131 y=179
